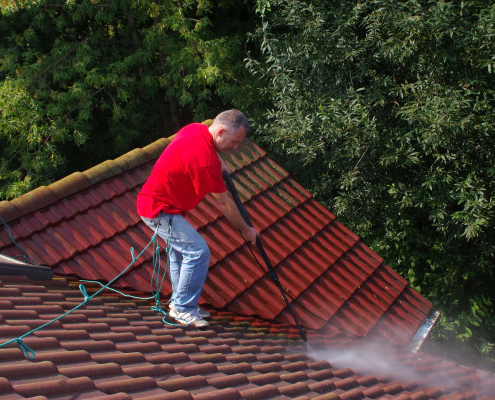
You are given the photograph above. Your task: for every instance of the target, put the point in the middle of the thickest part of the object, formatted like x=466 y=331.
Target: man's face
x=228 y=141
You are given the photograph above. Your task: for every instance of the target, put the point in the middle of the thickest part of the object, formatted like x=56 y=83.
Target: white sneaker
x=201 y=311
x=188 y=318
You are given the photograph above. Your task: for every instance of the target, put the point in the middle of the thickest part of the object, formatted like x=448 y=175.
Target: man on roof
x=188 y=169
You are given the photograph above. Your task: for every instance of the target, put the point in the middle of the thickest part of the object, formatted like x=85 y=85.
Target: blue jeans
x=189 y=257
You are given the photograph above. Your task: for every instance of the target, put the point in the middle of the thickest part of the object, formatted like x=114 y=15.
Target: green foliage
x=390 y=108
x=466 y=332
x=82 y=81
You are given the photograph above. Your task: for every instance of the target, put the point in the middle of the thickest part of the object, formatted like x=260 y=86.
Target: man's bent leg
x=193 y=267
x=160 y=225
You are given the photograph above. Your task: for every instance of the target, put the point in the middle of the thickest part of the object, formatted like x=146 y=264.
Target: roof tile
x=347 y=383
x=223 y=394
x=320 y=375
x=224 y=348
x=374 y=392
x=136 y=330
x=419 y=396
x=125 y=384
x=8 y=332
x=119 y=358
x=222 y=382
x=294 y=389
x=165 y=357
x=179 y=348
x=263 y=392
x=40 y=343
x=160 y=339
x=197 y=369
x=354 y=394
x=61 y=356
x=146 y=347
x=149 y=370
x=267 y=367
x=264 y=379
x=11 y=354
x=298 y=376
x=322 y=386
x=235 y=368
x=70 y=184
x=177 y=395
x=392 y=388
x=192 y=340
x=9 y=212
x=20 y=370
x=31 y=201
x=115 y=337
x=89 y=345
x=343 y=373
x=214 y=358
x=185 y=383
x=91 y=370
x=54 y=387
x=63 y=334
x=295 y=366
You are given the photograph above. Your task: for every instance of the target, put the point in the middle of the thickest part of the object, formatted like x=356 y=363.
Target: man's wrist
x=245 y=230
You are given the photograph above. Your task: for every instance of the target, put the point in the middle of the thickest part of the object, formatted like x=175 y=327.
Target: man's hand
x=229 y=209
x=250 y=235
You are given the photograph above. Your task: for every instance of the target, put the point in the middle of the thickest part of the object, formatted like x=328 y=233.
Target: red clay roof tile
x=226 y=381
x=222 y=394
x=54 y=387
x=119 y=358
x=237 y=366
x=125 y=384
x=186 y=383
x=328 y=396
x=263 y=392
x=92 y=370
x=354 y=394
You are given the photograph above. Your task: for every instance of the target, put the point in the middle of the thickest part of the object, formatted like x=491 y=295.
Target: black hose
x=271 y=271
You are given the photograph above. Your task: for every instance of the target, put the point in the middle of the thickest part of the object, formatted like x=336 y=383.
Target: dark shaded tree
x=82 y=81
x=385 y=110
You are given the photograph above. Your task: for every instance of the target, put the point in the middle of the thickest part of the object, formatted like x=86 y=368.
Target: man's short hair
x=232 y=120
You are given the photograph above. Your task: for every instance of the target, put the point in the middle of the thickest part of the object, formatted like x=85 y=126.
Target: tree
x=83 y=81
x=390 y=108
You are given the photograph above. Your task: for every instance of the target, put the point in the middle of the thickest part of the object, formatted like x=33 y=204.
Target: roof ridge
x=44 y=196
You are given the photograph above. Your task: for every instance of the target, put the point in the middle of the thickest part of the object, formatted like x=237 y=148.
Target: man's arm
x=231 y=212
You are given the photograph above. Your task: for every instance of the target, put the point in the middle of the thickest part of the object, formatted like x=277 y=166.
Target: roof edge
x=44 y=196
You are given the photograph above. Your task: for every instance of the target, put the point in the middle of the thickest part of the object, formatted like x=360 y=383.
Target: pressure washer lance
x=271 y=271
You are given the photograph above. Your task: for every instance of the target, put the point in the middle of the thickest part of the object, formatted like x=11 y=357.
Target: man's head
x=229 y=129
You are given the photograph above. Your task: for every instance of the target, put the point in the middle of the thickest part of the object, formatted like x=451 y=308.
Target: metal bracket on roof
x=424 y=330
x=11 y=266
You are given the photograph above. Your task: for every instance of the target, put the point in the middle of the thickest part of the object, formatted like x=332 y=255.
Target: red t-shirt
x=185 y=172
